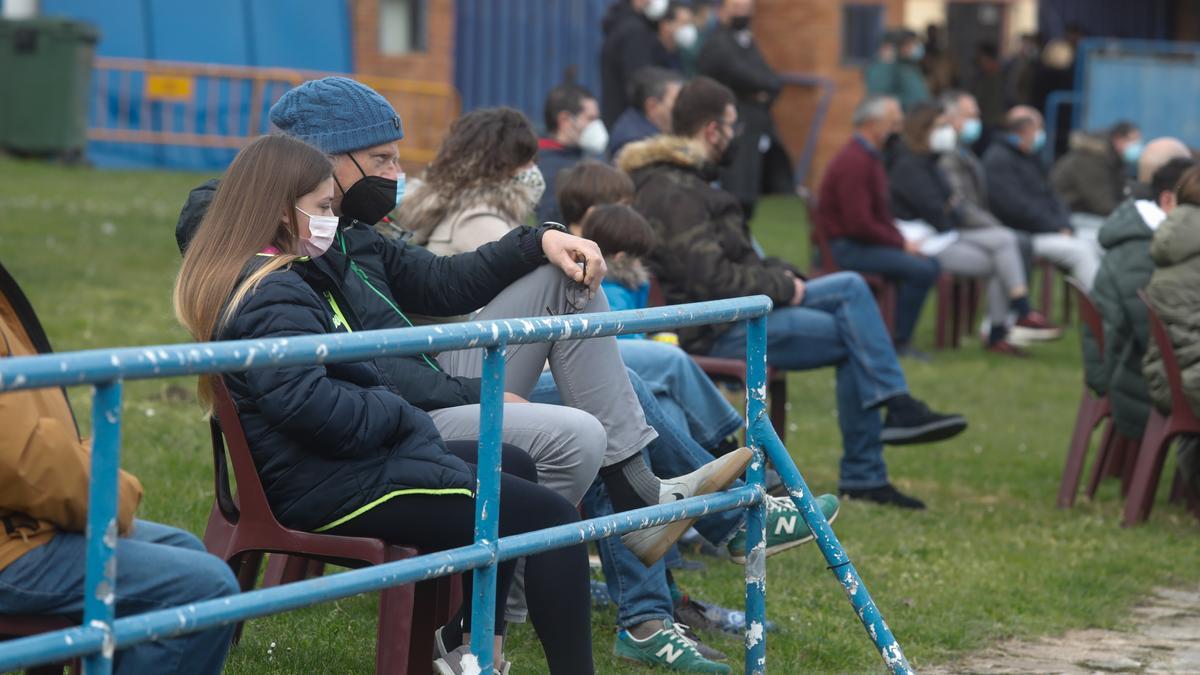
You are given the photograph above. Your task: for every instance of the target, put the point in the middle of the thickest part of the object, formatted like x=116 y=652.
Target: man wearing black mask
x=704 y=252
x=760 y=163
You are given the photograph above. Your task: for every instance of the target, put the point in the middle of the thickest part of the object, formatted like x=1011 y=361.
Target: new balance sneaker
x=652 y=543
x=1034 y=327
x=910 y=421
x=668 y=648
x=785 y=526
x=451 y=662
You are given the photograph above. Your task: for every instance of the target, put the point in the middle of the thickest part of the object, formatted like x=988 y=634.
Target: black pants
x=556 y=582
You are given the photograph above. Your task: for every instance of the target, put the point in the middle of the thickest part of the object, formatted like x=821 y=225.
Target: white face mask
x=686 y=36
x=532 y=179
x=320 y=234
x=942 y=139
x=656 y=9
x=594 y=138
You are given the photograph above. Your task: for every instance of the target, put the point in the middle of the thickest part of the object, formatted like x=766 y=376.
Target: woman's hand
x=566 y=251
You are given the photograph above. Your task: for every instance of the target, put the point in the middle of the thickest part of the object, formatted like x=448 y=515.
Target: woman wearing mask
x=919 y=191
x=338 y=452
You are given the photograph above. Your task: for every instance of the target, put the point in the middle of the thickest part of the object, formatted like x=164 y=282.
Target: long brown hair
x=484 y=147
x=918 y=122
x=261 y=185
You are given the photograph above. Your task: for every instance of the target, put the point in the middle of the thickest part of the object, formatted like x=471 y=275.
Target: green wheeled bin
x=45 y=77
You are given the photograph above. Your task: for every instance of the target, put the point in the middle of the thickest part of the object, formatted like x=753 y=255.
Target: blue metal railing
x=99 y=635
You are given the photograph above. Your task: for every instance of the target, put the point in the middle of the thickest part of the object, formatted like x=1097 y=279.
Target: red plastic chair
x=21 y=625
x=1160 y=429
x=240 y=531
x=1093 y=410
x=735 y=370
x=1049 y=270
x=957 y=300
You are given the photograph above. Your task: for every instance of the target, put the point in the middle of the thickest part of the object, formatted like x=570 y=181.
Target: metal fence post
x=100 y=580
x=756 y=545
x=487 y=505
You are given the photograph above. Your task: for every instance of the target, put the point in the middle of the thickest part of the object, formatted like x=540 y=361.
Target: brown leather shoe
x=1006 y=348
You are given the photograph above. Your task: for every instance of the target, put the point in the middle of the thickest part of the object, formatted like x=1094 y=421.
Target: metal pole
x=831 y=548
x=487 y=505
x=100 y=581
x=756 y=544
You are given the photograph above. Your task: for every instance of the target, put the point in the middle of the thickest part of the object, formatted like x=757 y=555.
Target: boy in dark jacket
x=704 y=253
x=1126 y=269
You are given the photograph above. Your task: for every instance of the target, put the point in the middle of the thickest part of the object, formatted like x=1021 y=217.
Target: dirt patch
x=1165 y=639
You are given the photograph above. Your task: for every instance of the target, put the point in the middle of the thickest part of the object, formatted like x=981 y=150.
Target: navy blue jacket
x=631 y=126
x=1019 y=191
x=328 y=440
x=920 y=190
x=552 y=158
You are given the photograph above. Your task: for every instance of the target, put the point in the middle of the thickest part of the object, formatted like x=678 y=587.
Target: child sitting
x=624 y=236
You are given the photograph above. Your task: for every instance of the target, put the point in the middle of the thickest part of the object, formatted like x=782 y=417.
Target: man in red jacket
x=853 y=212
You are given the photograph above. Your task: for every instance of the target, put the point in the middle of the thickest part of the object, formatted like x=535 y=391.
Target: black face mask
x=727 y=156
x=740 y=22
x=370 y=199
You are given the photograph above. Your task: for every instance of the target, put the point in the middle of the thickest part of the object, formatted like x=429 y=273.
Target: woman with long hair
x=981 y=248
x=337 y=451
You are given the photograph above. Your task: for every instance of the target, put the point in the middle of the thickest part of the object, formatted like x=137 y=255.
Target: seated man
x=383 y=280
x=1091 y=178
x=854 y=213
x=653 y=92
x=1020 y=195
x=44 y=470
x=573 y=129
x=704 y=253
x=1126 y=269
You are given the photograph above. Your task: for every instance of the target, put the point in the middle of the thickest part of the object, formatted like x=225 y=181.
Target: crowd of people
x=315 y=230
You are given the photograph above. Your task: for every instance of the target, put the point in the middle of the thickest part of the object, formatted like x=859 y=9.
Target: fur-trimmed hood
x=664 y=149
x=627 y=271
x=425 y=210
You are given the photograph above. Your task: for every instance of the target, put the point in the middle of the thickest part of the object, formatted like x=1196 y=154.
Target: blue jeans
x=157 y=567
x=839 y=325
x=685 y=394
x=913 y=275
x=641 y=593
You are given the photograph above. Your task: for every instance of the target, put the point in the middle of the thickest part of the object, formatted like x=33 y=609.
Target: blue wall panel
x=304 y=34
x=122 y=24
x=512 y=53
x=1158 y=92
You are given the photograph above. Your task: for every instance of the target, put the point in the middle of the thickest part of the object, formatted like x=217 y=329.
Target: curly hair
x=483 y=147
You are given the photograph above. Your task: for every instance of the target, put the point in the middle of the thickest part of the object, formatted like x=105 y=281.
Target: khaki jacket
x=44 y=464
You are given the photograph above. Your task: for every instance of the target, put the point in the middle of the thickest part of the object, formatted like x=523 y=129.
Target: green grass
x=990 y=560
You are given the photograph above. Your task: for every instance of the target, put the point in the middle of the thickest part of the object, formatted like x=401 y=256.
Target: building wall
x=805 y=36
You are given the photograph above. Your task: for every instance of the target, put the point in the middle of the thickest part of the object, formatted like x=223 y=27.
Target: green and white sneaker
x=669 y=648
x=785 y=526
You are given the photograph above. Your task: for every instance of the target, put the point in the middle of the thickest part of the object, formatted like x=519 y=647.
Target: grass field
x=991 y=558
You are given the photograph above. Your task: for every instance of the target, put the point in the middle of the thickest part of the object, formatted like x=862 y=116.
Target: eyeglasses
x=578 y=294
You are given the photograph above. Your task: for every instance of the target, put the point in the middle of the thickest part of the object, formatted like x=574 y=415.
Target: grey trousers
x=601 y=424
x=991 y=253
x=1078 y=255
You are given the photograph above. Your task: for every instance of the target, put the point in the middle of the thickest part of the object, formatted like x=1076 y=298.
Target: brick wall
x=418 y=84
x=805 y=36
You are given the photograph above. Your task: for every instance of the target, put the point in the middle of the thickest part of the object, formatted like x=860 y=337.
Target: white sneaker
x=652 y=543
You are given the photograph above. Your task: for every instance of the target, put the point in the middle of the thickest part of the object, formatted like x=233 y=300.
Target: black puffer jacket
x=329 y=439
x=920 y=190
x=1019 y=190
x=383 y=280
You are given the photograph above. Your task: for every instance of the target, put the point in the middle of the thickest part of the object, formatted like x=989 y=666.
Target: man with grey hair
x=853 y=212
x=1020 y=195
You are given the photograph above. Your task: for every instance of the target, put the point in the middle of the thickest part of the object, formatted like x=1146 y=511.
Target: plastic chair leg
x=1151 y=455
x=1090 y=409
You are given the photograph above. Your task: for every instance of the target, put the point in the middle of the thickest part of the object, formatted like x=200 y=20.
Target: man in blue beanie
x=384 y=279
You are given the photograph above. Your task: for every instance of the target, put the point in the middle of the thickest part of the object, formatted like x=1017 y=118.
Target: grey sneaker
x=451 y=662
x=652 y=543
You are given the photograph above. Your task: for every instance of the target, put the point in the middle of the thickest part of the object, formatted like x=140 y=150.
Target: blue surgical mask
x=1133 y=152
x=971 y=130
x=401 y=185
x=917 y=53
x=1039 y=140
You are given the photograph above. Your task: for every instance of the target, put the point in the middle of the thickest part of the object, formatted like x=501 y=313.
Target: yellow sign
x=169 y=87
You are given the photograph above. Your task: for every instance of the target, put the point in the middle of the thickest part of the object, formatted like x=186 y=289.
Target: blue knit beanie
x=337 y=115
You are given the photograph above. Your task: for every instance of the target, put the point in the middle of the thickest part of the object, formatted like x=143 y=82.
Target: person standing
x=631 y=42
x=758 y=162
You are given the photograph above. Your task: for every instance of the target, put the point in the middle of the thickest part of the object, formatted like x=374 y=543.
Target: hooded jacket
x=703 y=250
x=332 y=440
x=1090 y=178
x=384 y=280
x=1124 y=270
x=1174 y=290
x=470 y=220
x=44 y=464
